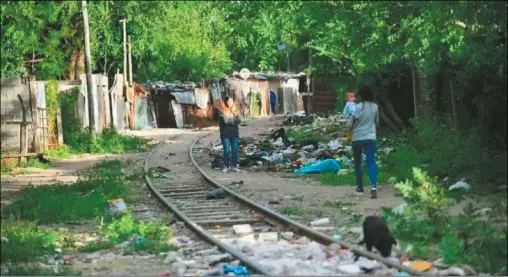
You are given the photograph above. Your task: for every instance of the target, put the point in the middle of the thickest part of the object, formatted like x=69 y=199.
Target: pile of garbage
x=312 y=145
x=286 y=253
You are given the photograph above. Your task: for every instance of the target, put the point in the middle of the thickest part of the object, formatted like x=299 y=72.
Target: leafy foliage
x=79 y=140
x=424 y=195
x=426 y=229
x=127 y=228
x=25 y=241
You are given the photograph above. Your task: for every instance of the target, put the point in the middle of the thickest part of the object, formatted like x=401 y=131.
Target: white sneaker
x=225 y=170
x=236 y=169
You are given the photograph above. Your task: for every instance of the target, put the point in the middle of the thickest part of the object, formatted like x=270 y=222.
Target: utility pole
x=124 y=52
x=125 y=80
x=130 y=60
x=88 y=68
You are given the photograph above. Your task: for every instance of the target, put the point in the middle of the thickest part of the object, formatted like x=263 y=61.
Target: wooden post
x=59 y=126
x=123 y=21
x=130 y=60
x=307 y=108
x=91 y=97
x=32 y=85
x=23 y=143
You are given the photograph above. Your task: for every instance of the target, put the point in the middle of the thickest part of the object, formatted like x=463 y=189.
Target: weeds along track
x=219 y=222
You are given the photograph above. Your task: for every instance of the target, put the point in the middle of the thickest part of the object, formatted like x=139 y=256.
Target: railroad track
x=218 y=223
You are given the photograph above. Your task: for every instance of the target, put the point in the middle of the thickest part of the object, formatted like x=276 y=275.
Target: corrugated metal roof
x=268 y=76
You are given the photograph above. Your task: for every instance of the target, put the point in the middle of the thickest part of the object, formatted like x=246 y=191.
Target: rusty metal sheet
x=178 y=114
x=202 y=98
x=216 y=93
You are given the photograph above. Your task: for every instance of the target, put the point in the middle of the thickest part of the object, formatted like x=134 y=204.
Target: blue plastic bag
x=325 y=166
x=238 y=270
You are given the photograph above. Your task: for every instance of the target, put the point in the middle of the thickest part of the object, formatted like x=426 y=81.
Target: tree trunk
x=388 y=105
x=388 y=121
x=80 y=64
x=391 y=111
x=416 y=91
x=71 y=67
x=421 y=93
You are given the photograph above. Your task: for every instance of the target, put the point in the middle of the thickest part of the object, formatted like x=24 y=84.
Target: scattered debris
x=268 y=237
x=421 y=265
x=321 y=221
x=217 y=193
x=460 y=185
x=350 y=269
x=116 y=207
x=159 y=172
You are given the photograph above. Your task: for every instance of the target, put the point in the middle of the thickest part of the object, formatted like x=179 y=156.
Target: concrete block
x=268 y=237
x=250 y=239
x=243 y=229
x=350 y=269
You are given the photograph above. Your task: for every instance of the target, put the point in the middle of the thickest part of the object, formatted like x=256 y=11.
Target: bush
x=79 y=140
x=434 y=145
x=427 y=227
x=424 y=195
x=84 y=199
x=23 y=241
x=155 y=233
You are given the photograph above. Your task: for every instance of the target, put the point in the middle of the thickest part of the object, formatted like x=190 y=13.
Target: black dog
x=376 y=233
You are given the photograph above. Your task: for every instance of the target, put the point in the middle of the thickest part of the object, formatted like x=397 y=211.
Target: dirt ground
x=305 y=196
x=67 y=170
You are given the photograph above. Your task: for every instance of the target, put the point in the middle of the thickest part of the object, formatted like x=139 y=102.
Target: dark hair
x=226 y=99
x=366 y=94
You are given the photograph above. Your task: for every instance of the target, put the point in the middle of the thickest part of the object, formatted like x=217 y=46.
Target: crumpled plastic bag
x=460 y=185
x=325 y=166
x=274 y=159
x=278 y=143
x=116 y=207
x=217 y=193
x=334 y=145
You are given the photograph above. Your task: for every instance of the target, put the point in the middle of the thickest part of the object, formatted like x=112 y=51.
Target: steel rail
x=302 y=229
x=195 y=227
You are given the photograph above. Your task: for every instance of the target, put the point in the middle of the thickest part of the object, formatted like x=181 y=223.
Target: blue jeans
x=274 y=107
x=227 y=144
x=369 y=147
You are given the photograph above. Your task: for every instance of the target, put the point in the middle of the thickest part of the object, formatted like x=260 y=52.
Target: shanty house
x=245 y=88
x=179 y=104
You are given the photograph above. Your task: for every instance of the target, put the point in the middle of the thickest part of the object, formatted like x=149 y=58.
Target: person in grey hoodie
x=363 y=125
x=227 y=115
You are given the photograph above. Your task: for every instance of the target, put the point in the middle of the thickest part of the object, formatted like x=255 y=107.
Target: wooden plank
x=23 y=142
x=18 y=155
x=17 y=122
x=59 y=126
x=32 y=85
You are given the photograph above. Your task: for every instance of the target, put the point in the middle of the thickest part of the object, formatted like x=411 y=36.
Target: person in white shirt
x=363 y=126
